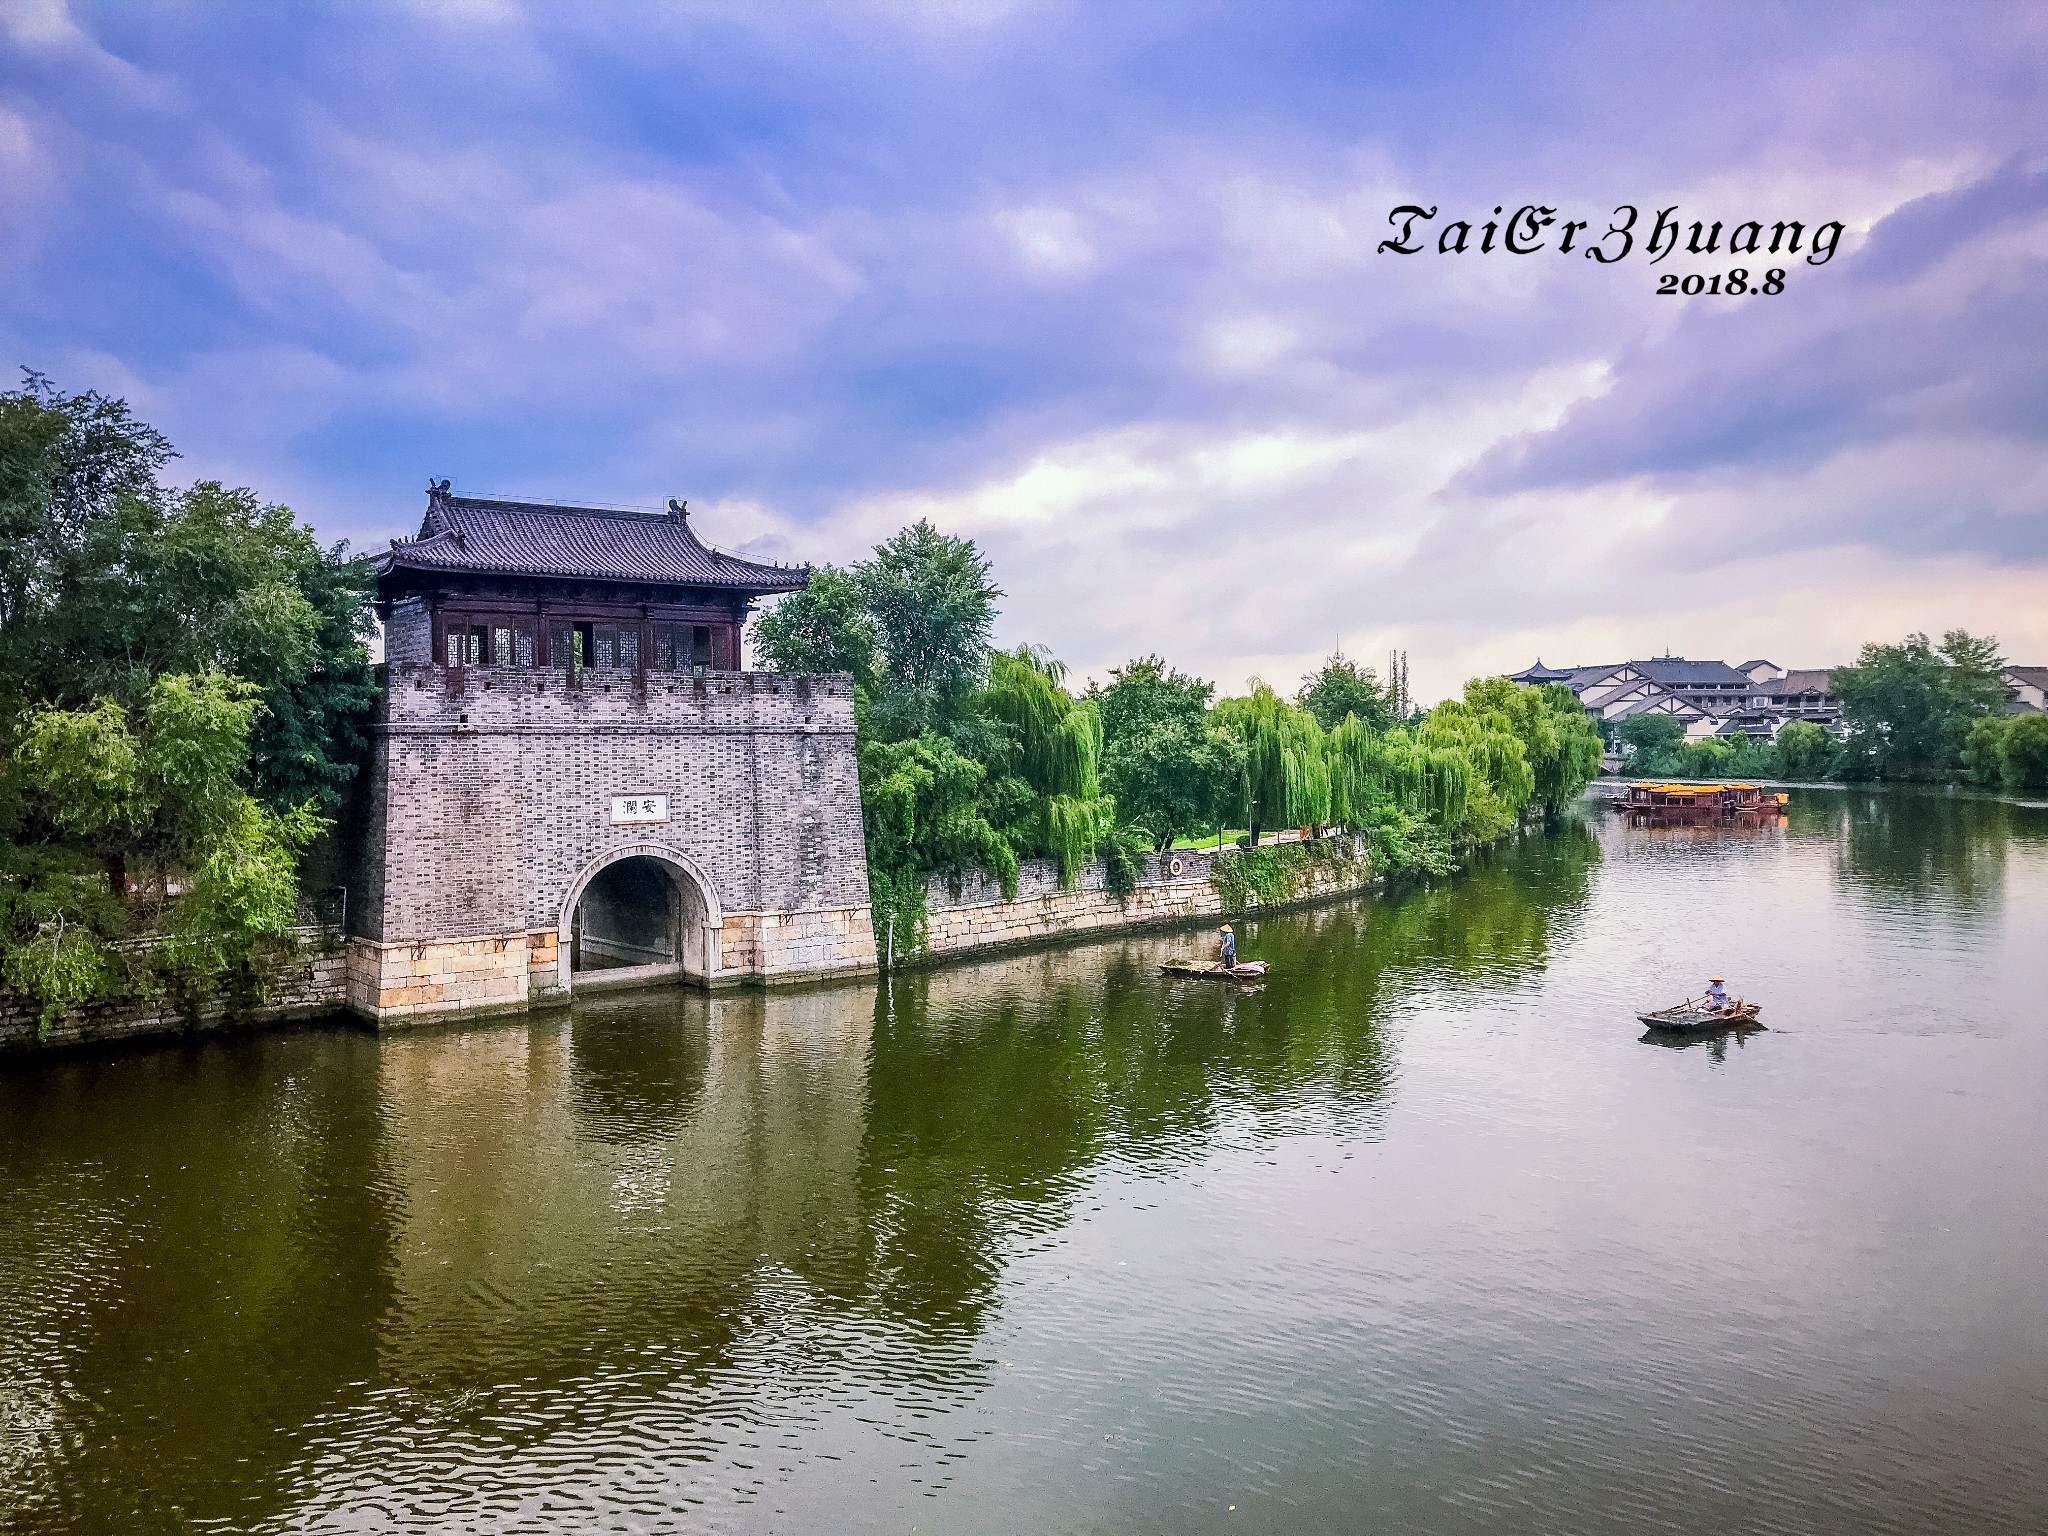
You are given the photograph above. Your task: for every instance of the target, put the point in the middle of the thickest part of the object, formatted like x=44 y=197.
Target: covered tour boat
x=1709 y=799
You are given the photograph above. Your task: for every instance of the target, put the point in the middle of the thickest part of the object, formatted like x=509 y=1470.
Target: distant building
x=1710 y=698
x=2029 y=687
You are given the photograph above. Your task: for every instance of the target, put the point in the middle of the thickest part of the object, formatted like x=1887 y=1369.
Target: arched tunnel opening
x=630 y=915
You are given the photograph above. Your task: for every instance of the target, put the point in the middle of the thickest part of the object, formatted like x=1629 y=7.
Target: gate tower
x=574 y=785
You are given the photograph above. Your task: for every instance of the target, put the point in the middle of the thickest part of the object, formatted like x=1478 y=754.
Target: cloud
x=40 y=24
x=1098 y=287
x=1926 y=352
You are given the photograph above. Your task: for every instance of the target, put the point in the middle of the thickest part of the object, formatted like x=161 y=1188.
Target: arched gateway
x=574 y=786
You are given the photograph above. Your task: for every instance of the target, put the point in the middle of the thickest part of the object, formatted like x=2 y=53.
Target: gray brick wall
x=491 y=792
x=409 y=633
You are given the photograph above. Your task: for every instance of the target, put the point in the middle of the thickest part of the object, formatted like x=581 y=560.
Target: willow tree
x=1058 y=754
x=1372 y=770
x=1286 y=780
x=1499 y=778
x=1557 y=735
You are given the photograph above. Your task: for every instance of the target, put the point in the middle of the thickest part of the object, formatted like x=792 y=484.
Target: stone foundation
x=796 y=946
x=306 y=983
x=406 y=983
x=493 y=973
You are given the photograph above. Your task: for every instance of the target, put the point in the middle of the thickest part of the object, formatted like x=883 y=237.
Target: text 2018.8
x=1736 y=283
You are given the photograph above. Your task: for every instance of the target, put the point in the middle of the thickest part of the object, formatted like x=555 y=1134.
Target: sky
x=1100 y=287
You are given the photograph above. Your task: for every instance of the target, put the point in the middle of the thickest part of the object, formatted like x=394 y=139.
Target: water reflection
x=195 y=1249
x=1920 y=844
x=680 y=1214
x=637 y=1263
x=1713 y=1042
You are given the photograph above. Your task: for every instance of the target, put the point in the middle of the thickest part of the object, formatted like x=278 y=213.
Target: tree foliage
x=824 y=628
x=1806 y=751
x=183 y=680
x=1909 y=707
x=1056 y=752
x=974 y=758
x=1341 y=688
x=2009 y=751
x=109 y=580
x=932 y=602
x=1169 y=770
x=1649 y=739
x=113 y=816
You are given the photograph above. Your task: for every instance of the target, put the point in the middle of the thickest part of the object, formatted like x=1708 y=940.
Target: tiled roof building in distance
x=1710 y=697
x=2029 y=687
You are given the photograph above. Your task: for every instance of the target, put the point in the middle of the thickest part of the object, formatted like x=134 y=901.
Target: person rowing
x=1717 y=996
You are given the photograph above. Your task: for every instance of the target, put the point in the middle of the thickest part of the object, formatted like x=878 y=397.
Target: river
x=1422 y=1235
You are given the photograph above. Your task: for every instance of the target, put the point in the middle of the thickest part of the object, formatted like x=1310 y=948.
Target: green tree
x=1806 y=751
x=922 y=803
x=1651 y=741
x=2023 y=754
x=1163 y=764
x=1984 y=749
x=932 y=601
x=1557 y=735
x=1057 y=754
x=1500 y=779
x=239 y=586
x=1909 y=707
x=1170 y=778
x=824 y=628
x=1286 y=779
x=1342 y=687
x=100 y=807
x=108 y=581
x=77 y=480
x=1145 y=693
x=183 y=680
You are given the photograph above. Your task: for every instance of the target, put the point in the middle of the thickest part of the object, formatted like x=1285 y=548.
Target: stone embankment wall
x=314 y=980
x=1172 y=888
x=308 y=983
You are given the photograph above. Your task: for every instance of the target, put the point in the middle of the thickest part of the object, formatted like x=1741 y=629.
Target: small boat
x=1246 y=970
x=1689 y=1015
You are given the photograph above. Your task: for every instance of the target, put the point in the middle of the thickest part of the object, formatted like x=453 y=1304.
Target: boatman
x=1717 y=996
x=1229 y=949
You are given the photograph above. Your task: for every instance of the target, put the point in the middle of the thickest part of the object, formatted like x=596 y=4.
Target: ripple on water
x=1417 y=1236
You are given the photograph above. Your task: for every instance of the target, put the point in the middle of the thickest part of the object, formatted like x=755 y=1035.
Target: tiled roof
x=1540 y=674
x=524 y=538
x=1798 y=680
x=2033 y=677
x=1675 y=671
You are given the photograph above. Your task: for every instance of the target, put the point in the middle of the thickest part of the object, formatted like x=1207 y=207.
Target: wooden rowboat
x=1695 y=1016
x=1247 y=970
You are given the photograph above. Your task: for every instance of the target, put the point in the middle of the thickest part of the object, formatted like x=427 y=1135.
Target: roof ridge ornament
x=679 y=510
x=438 y=490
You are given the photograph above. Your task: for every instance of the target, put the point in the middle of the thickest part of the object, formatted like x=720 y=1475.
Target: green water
x=1420 y=1236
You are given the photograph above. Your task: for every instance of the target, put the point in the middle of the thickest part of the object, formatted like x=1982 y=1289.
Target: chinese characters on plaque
x=635 y=810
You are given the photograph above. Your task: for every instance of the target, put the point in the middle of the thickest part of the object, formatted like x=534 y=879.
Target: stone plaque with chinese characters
x=637 y=810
